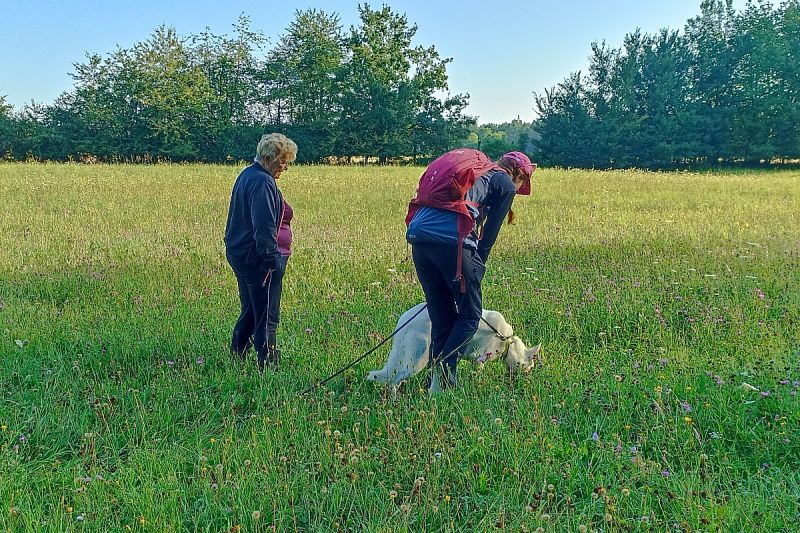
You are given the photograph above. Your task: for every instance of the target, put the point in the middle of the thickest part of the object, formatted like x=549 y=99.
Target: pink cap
x=526 y=166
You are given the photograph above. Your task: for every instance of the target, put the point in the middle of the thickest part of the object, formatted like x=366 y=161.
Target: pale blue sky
x=502 y=50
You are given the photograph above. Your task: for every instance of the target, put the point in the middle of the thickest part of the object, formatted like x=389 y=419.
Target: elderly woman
x=253 y=248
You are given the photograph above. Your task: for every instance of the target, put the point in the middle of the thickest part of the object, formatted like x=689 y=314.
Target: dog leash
x=436 y=361
x=361 y=358
x=502 y=337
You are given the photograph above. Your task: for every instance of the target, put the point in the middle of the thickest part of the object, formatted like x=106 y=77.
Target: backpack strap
x=465 y=225
x=459 y=256
x=481 y=217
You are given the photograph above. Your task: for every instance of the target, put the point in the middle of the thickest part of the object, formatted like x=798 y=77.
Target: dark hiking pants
x=260 y=308
x=455 y=316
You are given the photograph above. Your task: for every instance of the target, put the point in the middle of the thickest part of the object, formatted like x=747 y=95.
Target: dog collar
x=508 y=341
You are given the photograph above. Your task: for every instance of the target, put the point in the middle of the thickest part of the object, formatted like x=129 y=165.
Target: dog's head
x=520 y=358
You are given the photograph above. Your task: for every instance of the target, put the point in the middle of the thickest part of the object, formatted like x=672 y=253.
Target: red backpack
x=444 y=185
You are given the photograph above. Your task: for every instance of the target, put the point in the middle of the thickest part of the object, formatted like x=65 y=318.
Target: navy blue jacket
x=253 y=220
x=494 y=192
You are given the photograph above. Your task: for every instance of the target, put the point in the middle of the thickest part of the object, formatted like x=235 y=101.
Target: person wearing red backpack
x=257 y=241
x=453 y=222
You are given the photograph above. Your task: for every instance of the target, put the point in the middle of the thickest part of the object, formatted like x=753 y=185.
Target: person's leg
x=273 y=313
x=431 y=262
x=441 y=307
x=259 y=300
x=469 y=310
x=253 y=290
x=243 y=329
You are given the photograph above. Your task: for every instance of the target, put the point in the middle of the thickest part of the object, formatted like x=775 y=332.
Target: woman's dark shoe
x=442 y=377
x=270 y=359
x=240 y=354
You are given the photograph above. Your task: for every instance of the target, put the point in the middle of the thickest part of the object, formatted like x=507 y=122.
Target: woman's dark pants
x=455 y=316
x=260 y=311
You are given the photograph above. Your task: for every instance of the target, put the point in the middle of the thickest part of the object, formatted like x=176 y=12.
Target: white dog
x=411 y=347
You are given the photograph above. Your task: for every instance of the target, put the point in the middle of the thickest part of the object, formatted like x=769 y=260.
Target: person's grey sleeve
x=502 y=197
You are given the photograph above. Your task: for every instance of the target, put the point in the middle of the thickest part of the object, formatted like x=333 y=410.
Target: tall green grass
x=668 y=305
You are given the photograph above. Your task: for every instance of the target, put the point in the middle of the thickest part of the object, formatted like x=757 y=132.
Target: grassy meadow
x=668 y=306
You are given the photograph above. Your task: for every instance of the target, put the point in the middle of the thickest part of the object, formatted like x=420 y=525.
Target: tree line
x=368 y=93
x=724 y=90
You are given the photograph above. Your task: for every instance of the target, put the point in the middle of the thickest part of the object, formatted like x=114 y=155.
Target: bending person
x=455 y=302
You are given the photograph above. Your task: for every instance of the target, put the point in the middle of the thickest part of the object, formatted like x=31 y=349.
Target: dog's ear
x=533 y=354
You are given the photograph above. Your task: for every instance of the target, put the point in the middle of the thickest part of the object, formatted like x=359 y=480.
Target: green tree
x=713 y=59
x=7 y=130
x=172 y=93
x=234 y=110
x=387 y=87
x=567 y=125
x=727 y=89
x=152 y=100
x=440 y=126
x=303 y=68
x=491 y=139
x=786 y=138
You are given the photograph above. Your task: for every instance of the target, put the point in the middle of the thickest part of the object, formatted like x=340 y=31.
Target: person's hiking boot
x=442 y=377
x=270 y=359
x=274 y=357
x=240 y=355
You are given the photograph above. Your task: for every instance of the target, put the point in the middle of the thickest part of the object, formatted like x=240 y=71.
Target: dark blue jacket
x=494 y=192
x=253 y=220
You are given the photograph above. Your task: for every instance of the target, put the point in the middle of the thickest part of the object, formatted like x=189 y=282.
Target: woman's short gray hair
x=274 y=146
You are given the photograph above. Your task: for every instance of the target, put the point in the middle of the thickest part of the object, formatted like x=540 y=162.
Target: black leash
x=504 y=337
x=436 y=361
x=354 y=363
